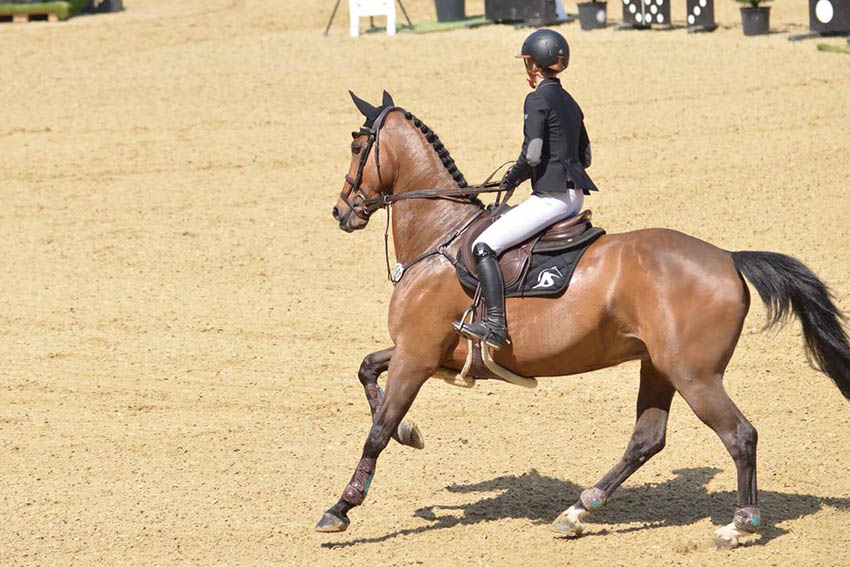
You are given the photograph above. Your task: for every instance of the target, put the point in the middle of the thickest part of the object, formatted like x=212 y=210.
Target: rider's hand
x=510 y=180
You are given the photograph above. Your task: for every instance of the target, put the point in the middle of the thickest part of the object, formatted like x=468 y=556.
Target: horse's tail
x=785 y=284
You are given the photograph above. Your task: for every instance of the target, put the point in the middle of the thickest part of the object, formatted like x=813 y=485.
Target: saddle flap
x=512 y=262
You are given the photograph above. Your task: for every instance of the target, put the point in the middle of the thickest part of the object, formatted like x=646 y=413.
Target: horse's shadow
x=680 y=501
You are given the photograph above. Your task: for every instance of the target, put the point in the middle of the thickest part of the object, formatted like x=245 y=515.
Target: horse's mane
x=372 y=113
x=442 y=152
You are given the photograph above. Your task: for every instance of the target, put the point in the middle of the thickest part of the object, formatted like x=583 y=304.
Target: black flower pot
x=756 y=21
x=592 y=15
x=450 y=10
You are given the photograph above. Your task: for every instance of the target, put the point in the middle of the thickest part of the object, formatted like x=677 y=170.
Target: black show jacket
x=556 y=149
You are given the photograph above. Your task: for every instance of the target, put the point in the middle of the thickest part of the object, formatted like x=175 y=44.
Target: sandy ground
x=181 y=321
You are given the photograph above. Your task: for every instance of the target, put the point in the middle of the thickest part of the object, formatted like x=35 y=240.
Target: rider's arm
x=534 y=129
x=584 y=147
x=532 y=146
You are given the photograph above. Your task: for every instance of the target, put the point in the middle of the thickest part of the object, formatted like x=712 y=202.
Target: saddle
x=547 y=259
x=562 y=236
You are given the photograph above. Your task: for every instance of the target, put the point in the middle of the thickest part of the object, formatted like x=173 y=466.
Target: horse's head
x=370 y=173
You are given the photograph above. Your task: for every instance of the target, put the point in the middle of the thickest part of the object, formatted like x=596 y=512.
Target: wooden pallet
x=24 y=18
x=45 y=10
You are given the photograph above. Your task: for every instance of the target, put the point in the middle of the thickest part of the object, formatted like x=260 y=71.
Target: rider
x=555 y=153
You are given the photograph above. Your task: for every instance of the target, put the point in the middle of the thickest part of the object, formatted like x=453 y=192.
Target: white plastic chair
x=363 y=8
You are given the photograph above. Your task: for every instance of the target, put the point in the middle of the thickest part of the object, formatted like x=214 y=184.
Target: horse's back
x=630 y=292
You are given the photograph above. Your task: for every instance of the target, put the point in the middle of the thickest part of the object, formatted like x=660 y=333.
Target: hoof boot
x=748 y=519
x=593 y=499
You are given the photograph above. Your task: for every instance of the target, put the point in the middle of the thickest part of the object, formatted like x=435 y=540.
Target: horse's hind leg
x=713 y=406
x=374 y=365
x=653 y=407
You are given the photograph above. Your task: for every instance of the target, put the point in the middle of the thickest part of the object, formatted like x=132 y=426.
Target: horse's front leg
x=374 y=365
x=406 y=376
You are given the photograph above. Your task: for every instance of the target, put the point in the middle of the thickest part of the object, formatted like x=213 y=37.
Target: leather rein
x=385 y=200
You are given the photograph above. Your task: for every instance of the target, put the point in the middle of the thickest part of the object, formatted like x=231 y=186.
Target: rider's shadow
x=682 y=500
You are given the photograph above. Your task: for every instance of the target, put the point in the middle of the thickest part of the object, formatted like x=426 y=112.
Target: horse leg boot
x=406 y=378
x=653 y=407
x=374 y=365
x=493 y=330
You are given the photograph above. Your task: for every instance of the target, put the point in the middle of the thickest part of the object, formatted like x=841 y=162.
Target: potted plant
x=450 y=10
x=592 y=15
x=754 y=17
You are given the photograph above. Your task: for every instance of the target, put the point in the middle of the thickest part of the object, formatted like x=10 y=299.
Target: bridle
x=370 y=204
x=354 y=187
x=384 y=200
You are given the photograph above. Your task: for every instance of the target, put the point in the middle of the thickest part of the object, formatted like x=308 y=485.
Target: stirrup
x=460 y=326
x=482 y=332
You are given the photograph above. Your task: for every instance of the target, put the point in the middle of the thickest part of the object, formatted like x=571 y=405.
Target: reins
x=467 y=194
x=458 y=195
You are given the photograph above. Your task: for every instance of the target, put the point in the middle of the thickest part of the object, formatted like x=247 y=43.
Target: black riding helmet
x=546 y=48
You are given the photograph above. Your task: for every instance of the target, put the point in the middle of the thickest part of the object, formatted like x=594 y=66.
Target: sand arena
x=182 y=321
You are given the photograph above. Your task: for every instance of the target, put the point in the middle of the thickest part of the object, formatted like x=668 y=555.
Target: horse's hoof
x=726 y=537
x=569 y=522
x=331 y=523
x=721 y=543
x=730 y=537
x=410 y=435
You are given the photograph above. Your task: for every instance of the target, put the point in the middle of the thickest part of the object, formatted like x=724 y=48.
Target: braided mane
x=442 y=152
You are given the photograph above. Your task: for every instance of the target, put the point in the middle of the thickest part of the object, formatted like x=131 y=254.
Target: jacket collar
x=549 y=81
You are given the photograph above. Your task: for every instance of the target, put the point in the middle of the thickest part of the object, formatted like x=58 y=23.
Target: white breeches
x=530 y=217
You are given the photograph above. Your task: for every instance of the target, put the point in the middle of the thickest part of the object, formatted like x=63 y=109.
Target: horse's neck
x=420 y=225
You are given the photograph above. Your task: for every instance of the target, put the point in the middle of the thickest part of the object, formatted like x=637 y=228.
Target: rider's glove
x=511 y=179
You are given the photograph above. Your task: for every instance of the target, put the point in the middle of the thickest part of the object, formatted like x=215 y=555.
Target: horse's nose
x=336 y=213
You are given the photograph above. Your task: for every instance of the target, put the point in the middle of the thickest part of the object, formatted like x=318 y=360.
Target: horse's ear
x=364 y=107
x=388 y=100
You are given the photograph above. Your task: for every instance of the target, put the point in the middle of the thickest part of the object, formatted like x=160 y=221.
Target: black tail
x=786 y=285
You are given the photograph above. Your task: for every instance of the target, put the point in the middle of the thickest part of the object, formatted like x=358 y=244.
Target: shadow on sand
x=680 y=501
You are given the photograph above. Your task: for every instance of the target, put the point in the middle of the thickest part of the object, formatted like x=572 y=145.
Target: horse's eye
x=355 y=149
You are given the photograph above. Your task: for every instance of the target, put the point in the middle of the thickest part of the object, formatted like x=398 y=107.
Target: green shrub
x=63 y=10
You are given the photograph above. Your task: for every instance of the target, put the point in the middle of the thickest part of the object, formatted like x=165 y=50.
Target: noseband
x=370 y=204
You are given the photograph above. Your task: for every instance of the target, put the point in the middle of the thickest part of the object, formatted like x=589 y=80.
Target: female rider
x=555 y=153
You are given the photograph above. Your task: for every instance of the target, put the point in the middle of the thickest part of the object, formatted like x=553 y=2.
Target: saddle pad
x=549 y=273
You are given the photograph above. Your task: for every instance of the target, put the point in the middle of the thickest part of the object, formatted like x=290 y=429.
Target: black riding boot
x=493 y=330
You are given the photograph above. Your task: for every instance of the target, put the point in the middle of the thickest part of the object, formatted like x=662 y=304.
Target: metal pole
x=406 y=17
x=333 y=14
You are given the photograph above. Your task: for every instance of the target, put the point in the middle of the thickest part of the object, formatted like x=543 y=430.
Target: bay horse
x=672 y=301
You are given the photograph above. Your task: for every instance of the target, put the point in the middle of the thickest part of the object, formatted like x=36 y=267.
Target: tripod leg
x=333 y=15
x=406 y=17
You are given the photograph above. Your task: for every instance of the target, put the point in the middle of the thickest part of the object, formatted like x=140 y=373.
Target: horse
x=674 y=302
